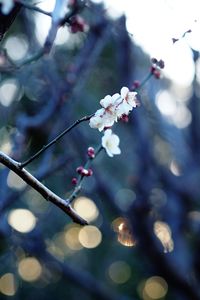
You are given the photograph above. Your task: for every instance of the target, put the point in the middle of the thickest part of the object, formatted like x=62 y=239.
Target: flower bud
x=90 y=172
x=79 y=170
x=157 y=74
x=74 y=180
x=77 y=24
x=124 y=118
x=136 y=84
x=91 y=152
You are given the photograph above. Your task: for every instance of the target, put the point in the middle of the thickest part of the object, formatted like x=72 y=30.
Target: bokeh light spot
x=124 y=233
x=16 y=47
x=71 y=237
x=124 y=198
x=163 y=233
x=22 y=220
x=166 y=104
x=158 y=197
x=174 y=168
x=29 y=269
x=90 y=236
x=155 y=288
x=119 y=272
x=8 y=284
x=15 y=182
x=9 y=90
x=86 y=208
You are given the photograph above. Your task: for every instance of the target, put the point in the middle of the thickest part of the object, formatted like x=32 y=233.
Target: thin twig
x=44 y=148
x=78 y=186
x=40 y=188
x=33 y=7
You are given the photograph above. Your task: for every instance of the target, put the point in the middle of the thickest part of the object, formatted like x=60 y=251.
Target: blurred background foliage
x=142 y=206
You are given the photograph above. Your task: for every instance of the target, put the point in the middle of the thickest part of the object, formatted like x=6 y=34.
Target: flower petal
x=110 y=143
x=124 y=91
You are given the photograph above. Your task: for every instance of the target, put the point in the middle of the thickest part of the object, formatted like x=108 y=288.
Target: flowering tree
x=76 y=121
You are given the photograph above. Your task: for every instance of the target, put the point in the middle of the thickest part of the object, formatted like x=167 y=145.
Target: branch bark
x=40 y=188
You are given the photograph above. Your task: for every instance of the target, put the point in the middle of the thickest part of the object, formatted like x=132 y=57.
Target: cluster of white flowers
x=6 y=6
x=113 y=108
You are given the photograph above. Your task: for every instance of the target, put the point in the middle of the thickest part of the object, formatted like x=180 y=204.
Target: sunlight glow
x=153 y=25
x=183 y=117
x=166 y=104
x=22 y=220
x=153 y=28
x=176 y=112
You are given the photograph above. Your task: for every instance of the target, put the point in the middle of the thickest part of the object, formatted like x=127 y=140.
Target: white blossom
x=7 y=6
x=97 y=120
x=110 y=143
x=108 y=119
x=129 y=97
x=113 y=107
x=123 y=109
x=107 y=101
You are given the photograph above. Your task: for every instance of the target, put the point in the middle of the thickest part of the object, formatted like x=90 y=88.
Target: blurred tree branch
x=40 y=188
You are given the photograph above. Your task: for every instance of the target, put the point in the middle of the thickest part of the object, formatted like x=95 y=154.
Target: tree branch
x=40 y=188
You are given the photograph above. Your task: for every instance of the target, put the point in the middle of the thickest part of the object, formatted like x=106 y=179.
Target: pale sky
x=153 y=25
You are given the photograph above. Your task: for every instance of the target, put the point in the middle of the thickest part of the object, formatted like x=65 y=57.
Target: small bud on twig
x=91 y=152
x=74 y=180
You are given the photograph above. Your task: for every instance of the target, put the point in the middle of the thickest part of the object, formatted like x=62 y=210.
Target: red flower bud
x=74 y=180
x=157 y=74
x=91 y=152
x=153 y=69
x=90 y=172
x=84 y=172
x=79 y=170
x=77 y=24
x=124 y=118
x=136 y=84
